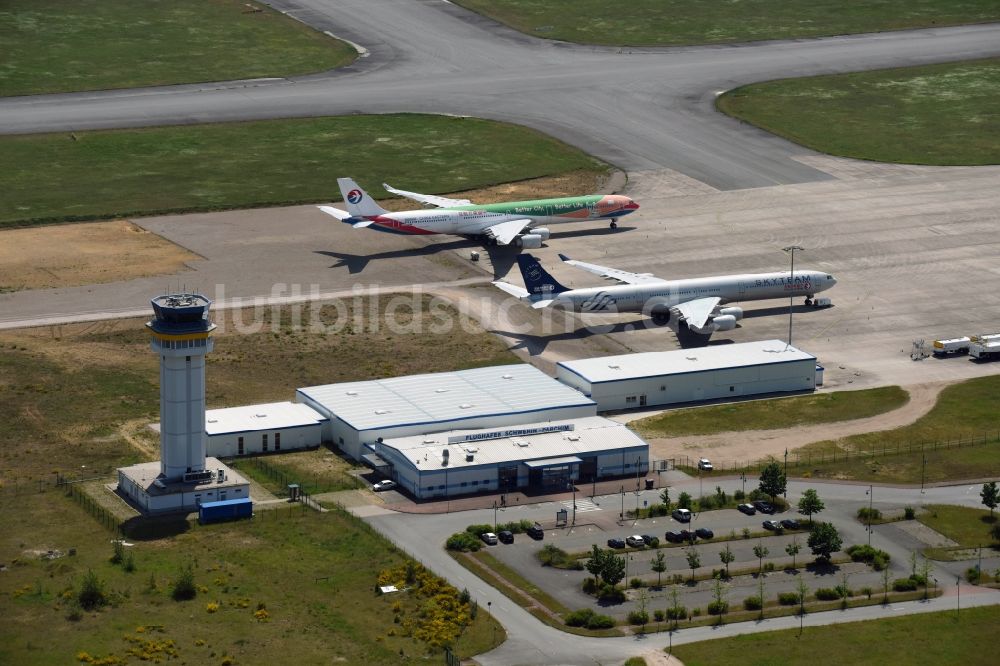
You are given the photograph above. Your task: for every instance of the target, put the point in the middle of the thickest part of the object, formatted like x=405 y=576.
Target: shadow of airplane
x=536 y=344
x=776 y=310
x=502 y=257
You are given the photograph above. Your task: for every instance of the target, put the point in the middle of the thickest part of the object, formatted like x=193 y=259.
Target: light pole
x=923 y=471
x=871 y=497
x=494 y=515
x=958 y=596
x=489 y=607
x=637 y=461
x=791 y=296
x=573 y=487
x=621 y=515
x=743 y=478
x=785 y=472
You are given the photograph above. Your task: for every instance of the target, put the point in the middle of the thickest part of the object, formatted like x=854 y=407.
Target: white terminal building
x=691 y=375
x=267 y=428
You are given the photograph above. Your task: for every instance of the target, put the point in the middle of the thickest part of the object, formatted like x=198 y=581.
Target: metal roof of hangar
x=445 y=396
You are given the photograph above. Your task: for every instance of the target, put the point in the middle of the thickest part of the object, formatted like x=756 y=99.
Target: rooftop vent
x=352 y=393
x=429 y=441
x=508 y=376
x=614 y=367
x=441 y=390
x=261 y=416
x=573 y=438
x=381 y=411
x=691 y=358
x=213 y=420
x=471 y=449
x=465 y=405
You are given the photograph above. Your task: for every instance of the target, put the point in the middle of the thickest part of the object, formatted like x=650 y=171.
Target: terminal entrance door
x=507 y=478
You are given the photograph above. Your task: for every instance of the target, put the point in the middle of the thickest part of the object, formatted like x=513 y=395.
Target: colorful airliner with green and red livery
x=497 y=224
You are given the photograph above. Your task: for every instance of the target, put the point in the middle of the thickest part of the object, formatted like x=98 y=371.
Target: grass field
x=936 y=114
x=174 y=169
x=315 y=575
x=69 y=390
x=966 y=411
x=67 y=45
x=776 y=413
x=676 y=22
x=929 y=639
x=967 y=527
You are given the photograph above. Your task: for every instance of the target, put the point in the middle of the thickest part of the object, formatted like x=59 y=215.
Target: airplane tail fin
x=359 y=203
x=537 y=280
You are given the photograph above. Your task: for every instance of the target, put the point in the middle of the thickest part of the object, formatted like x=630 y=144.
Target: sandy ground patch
x=754 y=444
x=91 y=253
x=925 y=534
x=660 y=658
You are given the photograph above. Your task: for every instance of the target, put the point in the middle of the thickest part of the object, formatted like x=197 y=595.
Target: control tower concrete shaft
x=181 y=336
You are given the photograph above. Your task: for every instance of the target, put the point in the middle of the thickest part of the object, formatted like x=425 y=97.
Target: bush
x=638 y=617
x=463 y=541
x=879 y=559
x=788 y=598
x=600 y=622
x=184 y=588
x=864 y=513
x=826 y=594
x=904 y=585
x=580 y=618
x=769 y=566
x=91 y=593
x=635 y=583
x=654 y=542
x=752 y=603
x=590 y=585
x=477 y=530
x=909 y=513
x=717 y=607
x=659 y=615
x=553 y=556
x=679 y=613
x=739 y=495
x=684 y=501
x=756 y=494
x=867 y=591
x=706 y=503
x=842 y=591
x=746 y=532
x=695 y=612
x=972 y=574
x=610 y=594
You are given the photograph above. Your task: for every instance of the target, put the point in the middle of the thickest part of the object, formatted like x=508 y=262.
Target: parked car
x=651 y=540
x=635 y=541
x=673 y=536
x=705 y=464
x=384 y=485
x=772 y=525
x=747 y=509
x=704 y=533
x=490 y=538
x=764 y=507
x=682 y=515
x=505 y=536
x=790 y=524
x=615 y=543
x=536 y=532
x=689 y=535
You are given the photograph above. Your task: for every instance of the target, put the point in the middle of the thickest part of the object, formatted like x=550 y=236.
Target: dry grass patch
x=76 y=254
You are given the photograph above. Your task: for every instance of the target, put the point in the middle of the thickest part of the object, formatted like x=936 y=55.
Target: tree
x=824 y=540
x=801 y=589
x=772 y=480
x=675 y=605
x=760 y=551
x=995 y=531
x=925 y=572
x=665 y=498
x=694 y=560
x=886 y=577
x=810 y=503
x=659 y=565
x=991 y=496
x=760 y=591
x=727 y=556
x=684 y=501
x=793 y=549
x=91 y=594
x=595 y=565
x=720 y=592
x=614 y=569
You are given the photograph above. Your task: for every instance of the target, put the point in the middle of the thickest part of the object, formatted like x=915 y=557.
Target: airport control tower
x=182 y=336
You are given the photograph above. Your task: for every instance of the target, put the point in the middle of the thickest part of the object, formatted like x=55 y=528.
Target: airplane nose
x=631 y=205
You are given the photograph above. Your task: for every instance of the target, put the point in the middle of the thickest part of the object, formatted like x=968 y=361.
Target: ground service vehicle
x=984 y=347
x=951 y=346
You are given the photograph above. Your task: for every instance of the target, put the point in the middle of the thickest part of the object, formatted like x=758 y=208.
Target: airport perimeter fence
x=102 y=514
x=807 y=460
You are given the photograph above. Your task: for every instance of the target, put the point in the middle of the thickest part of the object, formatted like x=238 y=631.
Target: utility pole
x=923 y=472
x=958 y=596
x=791 y=296
x=574 y=501
x=622 y=514
x=871 y=497
x=785 y=472
x=494 y=515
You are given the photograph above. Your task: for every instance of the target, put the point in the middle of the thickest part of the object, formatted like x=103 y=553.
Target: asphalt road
x=640 y=109
x=530 y=642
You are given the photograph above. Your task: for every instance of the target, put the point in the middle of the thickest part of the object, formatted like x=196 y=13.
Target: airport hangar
x=498 y=428
x=651 y=379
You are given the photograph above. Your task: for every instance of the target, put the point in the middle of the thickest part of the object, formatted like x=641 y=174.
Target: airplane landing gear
x=614 y=223
x=809 y=299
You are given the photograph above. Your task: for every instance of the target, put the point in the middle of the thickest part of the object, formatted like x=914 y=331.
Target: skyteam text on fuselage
x=695 y=305
x=498 y=224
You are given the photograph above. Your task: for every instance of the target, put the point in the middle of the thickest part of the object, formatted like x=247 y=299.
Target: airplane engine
x=530 y=241
x=725 y=322
x=541 y=231
x=733 y=311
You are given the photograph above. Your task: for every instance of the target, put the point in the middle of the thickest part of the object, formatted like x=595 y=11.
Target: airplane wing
x=505 y=232
x=440 y=202
x=696 y=312
x=614 y=273
x=344 y=216
x=511 y=289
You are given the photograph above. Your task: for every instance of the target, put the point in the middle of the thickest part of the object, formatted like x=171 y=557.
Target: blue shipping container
x=234 y=509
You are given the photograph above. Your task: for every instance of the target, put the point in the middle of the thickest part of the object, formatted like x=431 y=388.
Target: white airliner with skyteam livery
x=694 y=305
x=515 y=222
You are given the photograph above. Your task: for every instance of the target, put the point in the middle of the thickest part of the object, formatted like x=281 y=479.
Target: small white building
x=254 y=429
x=143 y=487
x=537 y=457
x=690 y=375
x=360 y=413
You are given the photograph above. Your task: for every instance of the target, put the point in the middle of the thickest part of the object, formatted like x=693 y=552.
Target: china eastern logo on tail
x=516 y=223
